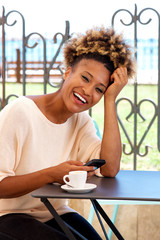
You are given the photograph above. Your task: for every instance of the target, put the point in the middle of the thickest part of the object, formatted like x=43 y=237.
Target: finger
x=77 y=163
x=121 y=72
x=89 y=168
x=115 y=77
x=121 y=76
x=80 y=167
x=90 y=174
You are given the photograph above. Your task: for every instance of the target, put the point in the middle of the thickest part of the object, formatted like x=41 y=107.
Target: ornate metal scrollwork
x=44 y=54
x=25 y=45
x=5 y=21
x=65 y=37
x=135 y=113
x=135 y=106
x=122 y=125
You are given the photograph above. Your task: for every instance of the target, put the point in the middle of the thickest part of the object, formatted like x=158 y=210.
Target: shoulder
x=17 y=109
x=17 y=103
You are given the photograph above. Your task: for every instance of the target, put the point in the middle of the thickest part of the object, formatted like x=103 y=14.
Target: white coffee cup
x=77 y=179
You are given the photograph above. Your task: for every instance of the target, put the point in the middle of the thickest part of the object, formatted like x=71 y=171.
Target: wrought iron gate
x=135 y=19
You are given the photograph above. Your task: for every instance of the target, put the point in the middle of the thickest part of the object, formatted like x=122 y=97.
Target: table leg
x=98 y=208
x=64 y=226
x=97 y=213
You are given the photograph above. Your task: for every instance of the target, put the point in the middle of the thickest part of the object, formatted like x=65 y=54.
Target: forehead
x=95 y=68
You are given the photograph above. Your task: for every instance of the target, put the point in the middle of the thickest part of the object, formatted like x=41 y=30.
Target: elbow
x=114 y=172
x=110 y=172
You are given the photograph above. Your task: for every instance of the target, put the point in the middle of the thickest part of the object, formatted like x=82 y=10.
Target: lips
x=79 y=97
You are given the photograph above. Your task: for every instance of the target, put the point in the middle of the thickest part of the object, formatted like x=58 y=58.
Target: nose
x=88 y=90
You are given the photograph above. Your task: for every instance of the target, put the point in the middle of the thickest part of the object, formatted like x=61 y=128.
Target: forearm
x=16 y=186
x=111 y=142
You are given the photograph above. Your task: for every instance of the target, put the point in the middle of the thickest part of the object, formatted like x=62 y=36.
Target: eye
x=85 y=78
x=99 y=90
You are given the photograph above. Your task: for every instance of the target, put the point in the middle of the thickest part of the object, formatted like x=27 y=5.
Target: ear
x=67 y=73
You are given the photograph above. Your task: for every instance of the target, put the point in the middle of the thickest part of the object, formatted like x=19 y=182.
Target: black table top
x=127 y=185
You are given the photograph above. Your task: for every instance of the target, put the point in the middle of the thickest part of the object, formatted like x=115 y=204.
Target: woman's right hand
x=16 y=186
x=57 y=172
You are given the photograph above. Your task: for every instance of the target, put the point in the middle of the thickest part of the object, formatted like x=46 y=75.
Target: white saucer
x=88 y=187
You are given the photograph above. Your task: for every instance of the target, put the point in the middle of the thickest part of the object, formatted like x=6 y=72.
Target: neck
x=52 y=106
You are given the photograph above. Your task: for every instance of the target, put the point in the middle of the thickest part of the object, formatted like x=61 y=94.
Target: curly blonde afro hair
x=100 y=44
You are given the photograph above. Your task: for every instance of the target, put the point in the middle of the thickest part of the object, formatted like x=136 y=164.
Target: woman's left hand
x=118 y=79
x=111 y=142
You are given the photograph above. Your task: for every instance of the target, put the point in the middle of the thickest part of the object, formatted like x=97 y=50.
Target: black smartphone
x=96 y=163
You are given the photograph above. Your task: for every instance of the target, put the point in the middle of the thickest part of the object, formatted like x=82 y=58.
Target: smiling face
x=84 y=85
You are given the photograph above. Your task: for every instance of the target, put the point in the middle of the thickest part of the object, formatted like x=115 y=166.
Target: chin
x=78 y=110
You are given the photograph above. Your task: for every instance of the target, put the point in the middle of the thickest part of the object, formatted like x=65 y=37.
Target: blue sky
x=48 y=17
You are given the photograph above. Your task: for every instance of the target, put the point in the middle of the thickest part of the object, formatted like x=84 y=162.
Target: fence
x=152 y=50
x=146 y=56
x=34 y=69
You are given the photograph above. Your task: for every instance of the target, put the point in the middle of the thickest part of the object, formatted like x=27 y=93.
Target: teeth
x=81 y=98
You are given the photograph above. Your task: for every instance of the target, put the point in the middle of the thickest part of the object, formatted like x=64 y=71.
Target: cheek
x=67 y=84
x=97 y=98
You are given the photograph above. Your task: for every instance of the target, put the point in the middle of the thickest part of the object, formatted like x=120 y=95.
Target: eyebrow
x=93 y=77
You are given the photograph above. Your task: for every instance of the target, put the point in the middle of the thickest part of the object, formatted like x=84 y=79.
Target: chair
x=116 y=203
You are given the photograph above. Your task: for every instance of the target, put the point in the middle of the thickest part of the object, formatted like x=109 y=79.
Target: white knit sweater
x=30 y=142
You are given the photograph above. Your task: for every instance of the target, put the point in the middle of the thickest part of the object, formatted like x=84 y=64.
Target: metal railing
x=135 y=105
x=25 y=46
x=135 y=19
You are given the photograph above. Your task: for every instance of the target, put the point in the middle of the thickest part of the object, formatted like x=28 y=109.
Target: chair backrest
x=97 y=129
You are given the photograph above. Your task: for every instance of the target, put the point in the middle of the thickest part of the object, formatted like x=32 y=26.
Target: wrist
x=109 y=97
x=109 y=100
x=47 y=175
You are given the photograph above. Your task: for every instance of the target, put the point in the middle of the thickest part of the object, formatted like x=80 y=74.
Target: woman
x=45 y=137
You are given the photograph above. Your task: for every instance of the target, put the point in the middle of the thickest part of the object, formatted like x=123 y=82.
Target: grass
x=149 y=162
